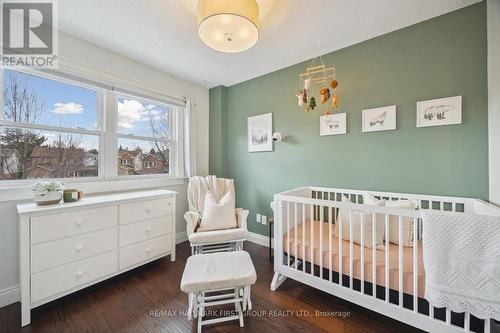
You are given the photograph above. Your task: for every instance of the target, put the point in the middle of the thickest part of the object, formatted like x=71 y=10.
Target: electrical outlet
x=258 y=218
x=263 y=219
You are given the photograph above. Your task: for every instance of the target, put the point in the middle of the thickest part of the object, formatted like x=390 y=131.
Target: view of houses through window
x=142 y=158
x=49 y=128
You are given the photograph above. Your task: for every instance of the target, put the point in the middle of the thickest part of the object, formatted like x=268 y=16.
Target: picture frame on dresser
x=66 y=247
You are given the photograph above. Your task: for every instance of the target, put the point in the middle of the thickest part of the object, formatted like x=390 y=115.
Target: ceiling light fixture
x=229 y=26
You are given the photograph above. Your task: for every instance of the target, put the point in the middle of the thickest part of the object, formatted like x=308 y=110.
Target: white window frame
x=107 y=132
x=99 y=132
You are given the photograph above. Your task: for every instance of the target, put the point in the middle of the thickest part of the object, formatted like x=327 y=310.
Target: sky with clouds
x=64 y=104
x=135 y=116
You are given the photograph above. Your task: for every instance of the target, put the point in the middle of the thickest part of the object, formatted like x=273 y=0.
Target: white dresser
x=67 y=247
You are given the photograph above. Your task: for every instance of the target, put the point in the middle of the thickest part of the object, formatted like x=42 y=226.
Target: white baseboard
x=259 y=239
x=181 y=237
x=9 y=295
x=13 y=294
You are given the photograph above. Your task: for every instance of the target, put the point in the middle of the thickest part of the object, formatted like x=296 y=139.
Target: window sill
x=89 y=187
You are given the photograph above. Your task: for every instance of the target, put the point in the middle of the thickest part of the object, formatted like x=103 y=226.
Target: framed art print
x=333 y=124
x=379 y=119
x=260 y=132
x=439 y=112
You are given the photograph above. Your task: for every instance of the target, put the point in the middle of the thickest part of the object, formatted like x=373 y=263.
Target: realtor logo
x=29 y=34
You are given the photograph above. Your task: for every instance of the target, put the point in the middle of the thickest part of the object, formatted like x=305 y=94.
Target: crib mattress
x=393 y=261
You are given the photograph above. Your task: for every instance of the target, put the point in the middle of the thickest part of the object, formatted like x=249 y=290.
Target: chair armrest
x=241 y=217
x=191 y=218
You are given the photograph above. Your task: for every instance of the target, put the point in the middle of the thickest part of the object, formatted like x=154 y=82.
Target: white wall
x=494 y=98
x=76 y=53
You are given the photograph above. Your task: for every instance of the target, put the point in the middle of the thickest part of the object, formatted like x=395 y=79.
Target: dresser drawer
x=55 y=226
x=60 y=279
x=141 y=231
x=142 y=210
x=137 y=253
x=66 y=250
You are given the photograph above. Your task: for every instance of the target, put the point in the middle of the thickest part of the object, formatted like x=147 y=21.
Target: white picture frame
x=379 y=119
x=260 y=133
x=333 y=124
x=439 y=112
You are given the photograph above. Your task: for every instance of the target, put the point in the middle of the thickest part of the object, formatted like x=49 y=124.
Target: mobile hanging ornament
x=325 y=95
x=302 y=97
x=308 y=82
x=312 y=103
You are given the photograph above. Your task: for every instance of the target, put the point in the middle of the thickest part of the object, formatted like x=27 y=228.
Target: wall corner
x=493 y=23
x=217 y=131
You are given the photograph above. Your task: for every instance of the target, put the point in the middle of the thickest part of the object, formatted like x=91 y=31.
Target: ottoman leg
x=201 y=309
x=200 y=315
x=190 y=306
x=249 y=300
x=245 y=295
x=237 y=306
x=196 y=302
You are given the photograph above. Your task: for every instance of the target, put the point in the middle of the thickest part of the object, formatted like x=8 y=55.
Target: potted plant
x=47 y=192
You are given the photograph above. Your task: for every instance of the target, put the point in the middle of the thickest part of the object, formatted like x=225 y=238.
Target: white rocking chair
x=213 y=240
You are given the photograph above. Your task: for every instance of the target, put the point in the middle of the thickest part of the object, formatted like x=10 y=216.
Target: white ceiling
x=163 y=33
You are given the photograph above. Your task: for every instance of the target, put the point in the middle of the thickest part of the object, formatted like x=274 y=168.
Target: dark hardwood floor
x=148 y=299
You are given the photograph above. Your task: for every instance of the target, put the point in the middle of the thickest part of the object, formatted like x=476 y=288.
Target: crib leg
x=278 y=279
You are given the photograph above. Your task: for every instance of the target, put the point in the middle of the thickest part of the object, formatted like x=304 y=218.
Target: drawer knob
x=79 y=273
x=148 y=250
x=79 y=247
x=79 y=222
x=148 y=210
x=148 y=229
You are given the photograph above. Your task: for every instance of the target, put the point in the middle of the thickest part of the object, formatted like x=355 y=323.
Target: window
x=48 y=128
x=53 y=127
x=144 y=139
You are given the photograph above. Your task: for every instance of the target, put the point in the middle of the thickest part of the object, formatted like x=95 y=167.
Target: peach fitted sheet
x=380 y=258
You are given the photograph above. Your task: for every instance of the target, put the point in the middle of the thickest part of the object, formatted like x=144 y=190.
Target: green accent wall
x=441 y=57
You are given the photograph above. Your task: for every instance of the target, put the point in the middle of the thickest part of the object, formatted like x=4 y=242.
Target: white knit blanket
x=199 y=186
x=462 y=262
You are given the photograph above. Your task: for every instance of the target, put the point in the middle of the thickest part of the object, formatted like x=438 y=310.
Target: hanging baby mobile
x=322 y=78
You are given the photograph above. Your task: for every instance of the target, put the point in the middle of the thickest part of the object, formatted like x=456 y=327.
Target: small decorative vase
x=47 y=198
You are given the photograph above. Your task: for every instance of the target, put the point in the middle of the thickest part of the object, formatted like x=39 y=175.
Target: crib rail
x=336 y=246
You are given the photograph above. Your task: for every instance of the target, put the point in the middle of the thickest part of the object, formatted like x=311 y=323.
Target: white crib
x=306 y=215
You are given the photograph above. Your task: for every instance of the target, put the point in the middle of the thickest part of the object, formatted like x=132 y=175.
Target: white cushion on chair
x=213 y=271
x=217 y=236
x=218 y=215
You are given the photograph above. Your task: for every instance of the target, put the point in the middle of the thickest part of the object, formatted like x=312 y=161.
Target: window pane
x=142 y=118
x=37 y=100
x=27 y=154
x=138 y=157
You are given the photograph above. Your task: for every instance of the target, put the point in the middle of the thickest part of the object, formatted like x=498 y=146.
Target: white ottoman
x=229 y=272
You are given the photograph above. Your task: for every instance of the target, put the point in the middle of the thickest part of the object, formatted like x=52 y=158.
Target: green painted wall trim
x=441 y=57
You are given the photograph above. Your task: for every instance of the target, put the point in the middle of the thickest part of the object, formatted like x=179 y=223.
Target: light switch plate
x=258 y=218
x=263 y=219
